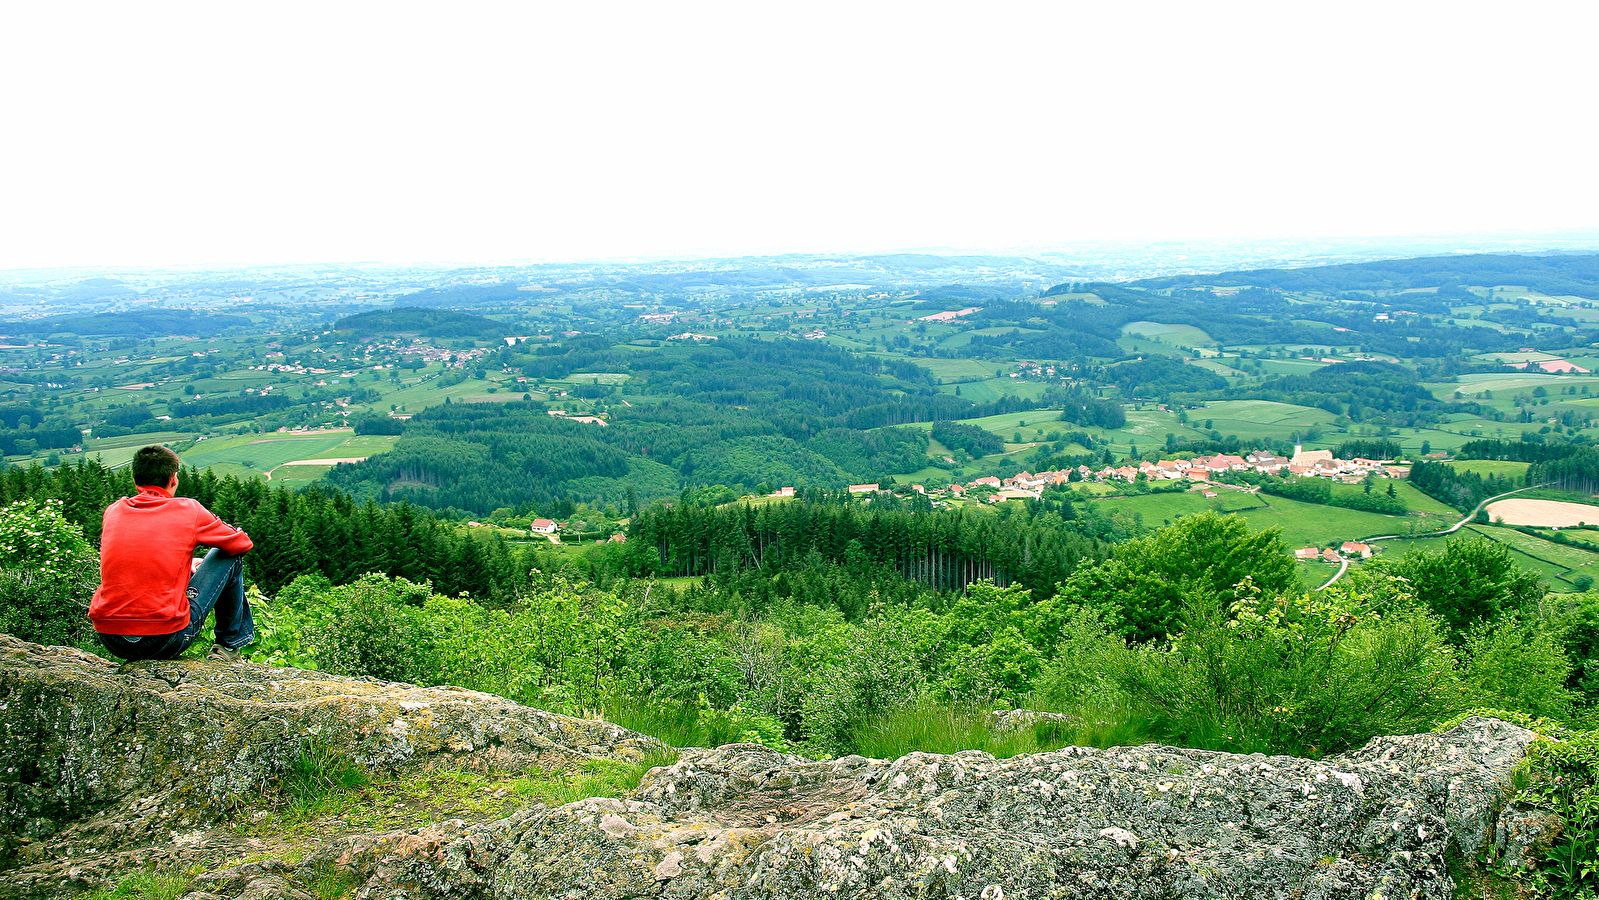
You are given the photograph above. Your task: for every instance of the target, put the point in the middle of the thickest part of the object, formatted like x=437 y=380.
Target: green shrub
x=1514 y=667
x=48 y=572
x=1316 y=675
x=374 y=626
x=1562 y=774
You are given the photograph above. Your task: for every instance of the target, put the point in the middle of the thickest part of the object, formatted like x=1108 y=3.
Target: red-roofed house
x=542 y=526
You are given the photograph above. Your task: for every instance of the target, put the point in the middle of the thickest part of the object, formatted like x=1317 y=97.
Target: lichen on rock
x=96 y=757
x=126 y=759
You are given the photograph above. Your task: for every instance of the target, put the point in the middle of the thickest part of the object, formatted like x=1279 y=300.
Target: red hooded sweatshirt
x=145 y=547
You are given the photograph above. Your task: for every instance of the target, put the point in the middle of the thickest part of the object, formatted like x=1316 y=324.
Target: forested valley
x=764 y=504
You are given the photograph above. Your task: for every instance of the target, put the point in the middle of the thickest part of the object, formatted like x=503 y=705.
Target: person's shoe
x=220 y=653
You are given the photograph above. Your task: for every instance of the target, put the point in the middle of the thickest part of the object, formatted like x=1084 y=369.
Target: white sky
x=225 y=132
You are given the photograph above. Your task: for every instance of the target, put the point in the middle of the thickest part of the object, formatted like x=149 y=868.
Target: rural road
x=1344 y=566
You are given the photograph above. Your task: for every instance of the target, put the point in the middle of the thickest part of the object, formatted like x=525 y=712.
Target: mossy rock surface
x=100 y=761
x=173 y=766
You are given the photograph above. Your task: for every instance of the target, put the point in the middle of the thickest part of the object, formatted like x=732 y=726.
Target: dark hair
x=154 y=466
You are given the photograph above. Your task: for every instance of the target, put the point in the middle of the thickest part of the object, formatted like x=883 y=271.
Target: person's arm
x=211 y=531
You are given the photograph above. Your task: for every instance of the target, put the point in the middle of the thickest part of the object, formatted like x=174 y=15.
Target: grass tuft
x=145 y=885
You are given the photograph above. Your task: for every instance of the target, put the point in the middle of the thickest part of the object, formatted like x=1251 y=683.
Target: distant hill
x=138 y=323
x=1556 y=275
x=423 y=321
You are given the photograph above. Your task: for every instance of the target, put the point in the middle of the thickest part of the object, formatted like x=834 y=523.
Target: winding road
x=1343 y=566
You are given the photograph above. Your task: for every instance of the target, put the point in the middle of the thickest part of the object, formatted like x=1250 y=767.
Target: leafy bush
x=1513 y=667
x=48 y=571
x=1561 y=774
x=374 y=626
x=1282 y=674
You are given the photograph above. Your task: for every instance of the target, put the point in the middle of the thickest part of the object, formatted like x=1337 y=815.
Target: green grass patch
x=1307 y=524
x=118 y=451
x=960 y=370
x=1417 y=501
x=1158 y=509
x=358 y=445
x=1249 y=419
x=422 y=394
x=1219 y=368
x=298 y=476
x=1148 y=346
x=145 y=885
x=1290 y=366
x=252 y=455
x=1508 y=384
x=325 y=792
x=1174 y=335
x=1485 y=467
x=1562 y=555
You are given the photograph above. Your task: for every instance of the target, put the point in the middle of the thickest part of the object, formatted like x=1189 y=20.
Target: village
x=1209 y=476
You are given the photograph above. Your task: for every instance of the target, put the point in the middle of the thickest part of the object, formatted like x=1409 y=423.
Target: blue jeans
x=218 y=584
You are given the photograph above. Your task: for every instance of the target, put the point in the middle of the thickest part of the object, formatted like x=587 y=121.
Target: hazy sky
x=226 y=132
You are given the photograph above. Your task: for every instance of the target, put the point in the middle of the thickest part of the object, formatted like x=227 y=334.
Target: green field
x=952 y=370
x=413 y=397
x=1006 y=424
x=1219 y=367
x=1555 y=563
x=297 y=476
x=1406 y=493
x=1174 y=335
x=1485 y=467
x=1302 y=524
x=595 y=378
x=1161 y=509
x=254 y=455
x=1307 y=524
x=1447 y=437
x=1509 y=385
x=1258 y=418
x=1145 y=345
x=118 y=451
x=251 y=455
x=1290 y=366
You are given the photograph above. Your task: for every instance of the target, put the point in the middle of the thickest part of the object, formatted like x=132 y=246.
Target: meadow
x=118 y=451
x=1502 y=467
x=957 y=370
x=1264 y=419
x=264 y=455
x=1302 y=524
x=1190 y=336
x=1406 y=494
x=1155 y=510
x=1311 y=524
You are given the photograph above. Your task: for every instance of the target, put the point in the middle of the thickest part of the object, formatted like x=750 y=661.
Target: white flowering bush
x=48 y=572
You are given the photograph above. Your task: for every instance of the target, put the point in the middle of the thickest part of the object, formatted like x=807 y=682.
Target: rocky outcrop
x=96 y=757
x=743 y=821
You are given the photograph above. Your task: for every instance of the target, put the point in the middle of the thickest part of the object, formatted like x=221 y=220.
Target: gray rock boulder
x=1143 y=822
x=97 y=757
x=106 y=769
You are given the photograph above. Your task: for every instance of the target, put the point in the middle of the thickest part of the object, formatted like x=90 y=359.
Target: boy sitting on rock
x=154 y=595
